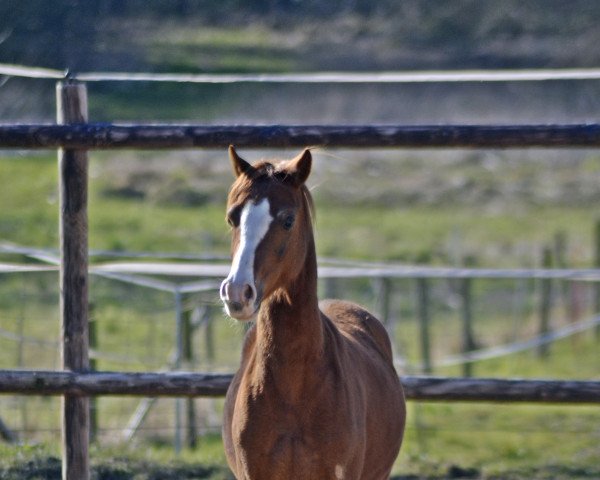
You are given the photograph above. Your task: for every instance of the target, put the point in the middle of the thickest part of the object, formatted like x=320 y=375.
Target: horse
x=316 y=395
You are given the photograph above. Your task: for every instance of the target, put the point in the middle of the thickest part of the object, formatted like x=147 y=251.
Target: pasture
x=136 y=325
x=481 y=207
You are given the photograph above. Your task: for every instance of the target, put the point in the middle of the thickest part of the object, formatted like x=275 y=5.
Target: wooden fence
x=187 y=384
x=111 y=136
x=73 y=135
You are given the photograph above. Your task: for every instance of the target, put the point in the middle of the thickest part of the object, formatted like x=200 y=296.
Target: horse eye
x=288 y=222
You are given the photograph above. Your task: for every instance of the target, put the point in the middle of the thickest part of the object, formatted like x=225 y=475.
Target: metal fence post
x=73 y=167
x=597 y=265
x=383 y=294
x=93 y=344
x=423 y=315
x=188 y=360
x=545 y=303
x=468 y=337
x=178 y=441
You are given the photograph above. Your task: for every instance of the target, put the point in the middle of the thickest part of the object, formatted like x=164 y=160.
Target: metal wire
x=434 y=76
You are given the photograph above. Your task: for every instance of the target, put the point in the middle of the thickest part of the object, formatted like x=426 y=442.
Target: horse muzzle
x=240 y=299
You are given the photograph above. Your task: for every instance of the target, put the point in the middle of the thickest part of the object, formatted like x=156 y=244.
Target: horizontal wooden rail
x=113 y=136
x=215 y=385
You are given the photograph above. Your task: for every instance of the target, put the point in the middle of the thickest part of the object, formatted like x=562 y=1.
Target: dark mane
x=309 y=204
x=266 y=170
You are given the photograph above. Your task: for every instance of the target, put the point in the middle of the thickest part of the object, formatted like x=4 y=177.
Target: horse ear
x=299 y=167
x=239 y=165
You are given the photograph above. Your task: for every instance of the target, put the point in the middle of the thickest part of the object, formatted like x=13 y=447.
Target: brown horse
x=316 y=395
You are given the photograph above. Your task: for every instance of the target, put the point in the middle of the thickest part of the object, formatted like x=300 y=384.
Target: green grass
x=367 y=231
x=498 y=439
x=240 y=49
x=423 y=234
x=43 y=462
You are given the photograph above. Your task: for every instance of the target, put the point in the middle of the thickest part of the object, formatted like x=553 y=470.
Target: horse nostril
x=223 y=291
x=248 y=292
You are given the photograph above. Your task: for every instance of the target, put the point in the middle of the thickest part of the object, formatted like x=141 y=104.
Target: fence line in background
x=468 y=356
x=431 y=76
x=328 y=268
x=11 y=248
x=471 y=356
x=137 y=274
x=134 y=272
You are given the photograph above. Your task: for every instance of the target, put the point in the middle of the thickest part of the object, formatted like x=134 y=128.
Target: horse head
x=269 y=210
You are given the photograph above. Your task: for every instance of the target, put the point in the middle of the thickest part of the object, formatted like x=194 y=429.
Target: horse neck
x=289 y=327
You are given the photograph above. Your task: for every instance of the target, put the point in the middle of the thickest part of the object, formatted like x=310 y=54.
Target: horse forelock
x=256 y=186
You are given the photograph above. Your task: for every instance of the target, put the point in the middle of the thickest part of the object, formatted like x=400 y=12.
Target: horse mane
x=309 y=204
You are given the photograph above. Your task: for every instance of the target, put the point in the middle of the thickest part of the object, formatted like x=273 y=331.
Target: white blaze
x=255 y=220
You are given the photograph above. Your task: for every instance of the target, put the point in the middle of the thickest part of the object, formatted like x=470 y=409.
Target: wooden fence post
x=383 y=295
x=7 y=434
x=93 y=339
x=597 y=265
x=73 y=168
x=565 y=286
x=468 y=342
x=423 y=312
x=209 y=337
x=330 y=287
x=545 y=302
x=188 y=360
x=178 y=441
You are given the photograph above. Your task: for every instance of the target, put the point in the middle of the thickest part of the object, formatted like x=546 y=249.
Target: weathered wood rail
x=113 y=136
x=181 y=384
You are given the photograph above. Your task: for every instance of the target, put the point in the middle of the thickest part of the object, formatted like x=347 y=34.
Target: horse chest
x=294 y=454
x=275 y=439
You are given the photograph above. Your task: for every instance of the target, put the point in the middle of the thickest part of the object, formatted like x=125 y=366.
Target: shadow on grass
x=49 y=468
x=546 y=472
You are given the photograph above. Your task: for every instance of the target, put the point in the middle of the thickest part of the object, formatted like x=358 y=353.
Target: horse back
x=364 y=353
x=357 y=323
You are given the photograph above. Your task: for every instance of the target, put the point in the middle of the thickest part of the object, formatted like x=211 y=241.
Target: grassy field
x=165 y=203
x=138 y=204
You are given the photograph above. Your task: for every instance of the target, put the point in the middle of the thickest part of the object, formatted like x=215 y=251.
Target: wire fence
x=506 y=75
x=136 y=316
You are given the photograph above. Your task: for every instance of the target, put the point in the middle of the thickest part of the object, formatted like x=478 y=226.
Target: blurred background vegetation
x=309 y=34
x=315 y=35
